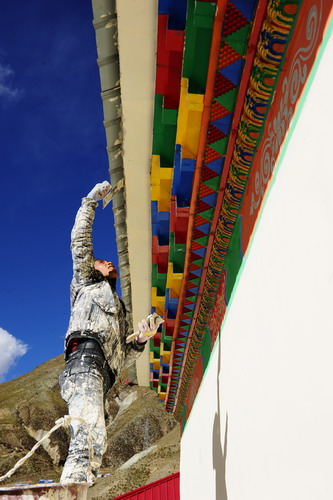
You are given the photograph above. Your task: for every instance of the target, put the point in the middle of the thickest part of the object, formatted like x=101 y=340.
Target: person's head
x=106 y=268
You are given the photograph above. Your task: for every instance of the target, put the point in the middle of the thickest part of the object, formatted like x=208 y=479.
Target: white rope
x=63 y=421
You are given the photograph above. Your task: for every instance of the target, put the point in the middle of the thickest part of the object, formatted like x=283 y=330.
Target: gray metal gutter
x=105 y=24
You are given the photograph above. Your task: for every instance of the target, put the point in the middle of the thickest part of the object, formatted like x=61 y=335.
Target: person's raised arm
x=81 y=236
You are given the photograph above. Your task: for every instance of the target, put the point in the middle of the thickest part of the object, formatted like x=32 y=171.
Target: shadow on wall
x=219 y=454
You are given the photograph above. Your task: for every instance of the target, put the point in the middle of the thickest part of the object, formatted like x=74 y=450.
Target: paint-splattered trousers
x=84 y=384
x=84 y=395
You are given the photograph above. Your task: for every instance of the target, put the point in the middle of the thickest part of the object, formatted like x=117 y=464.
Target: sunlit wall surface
x=261 y=425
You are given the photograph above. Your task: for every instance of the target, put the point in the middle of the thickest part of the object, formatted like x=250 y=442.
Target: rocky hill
x=143 y=439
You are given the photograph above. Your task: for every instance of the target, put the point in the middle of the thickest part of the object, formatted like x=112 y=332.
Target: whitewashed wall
x=271 y=377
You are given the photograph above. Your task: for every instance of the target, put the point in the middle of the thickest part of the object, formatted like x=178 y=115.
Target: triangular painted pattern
x=194 y=255
x=228 y=100
x=191 y=286
x=192 y=276
x=214 y=134
x=222 y=85
x=193 y=298
x=216 y=165
x=190 y=305
x=193 y=267
x=198 y=221
x=246 y=8
x=208 y=214
x=207 y=173
x=203 y=241
x=214 y=183
x=204 y=228
x=224 y=123
x=211 y=155
x=221 y=145
x=202 y=206
x=233 y=71
x=195 y=246
x=197 y=271
x=210 y=199
x=198 y=234
x=234 y=20
x=205 y=191
x=201 y=251
x=218 y=111
x=227 y=56
x=199 y=262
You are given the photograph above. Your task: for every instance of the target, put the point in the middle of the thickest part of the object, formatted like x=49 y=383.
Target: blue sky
x=53 y=151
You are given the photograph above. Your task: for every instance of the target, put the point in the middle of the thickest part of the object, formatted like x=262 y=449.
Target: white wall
x=273 y=370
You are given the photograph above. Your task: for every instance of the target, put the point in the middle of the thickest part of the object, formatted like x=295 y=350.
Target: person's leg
x=83 y=393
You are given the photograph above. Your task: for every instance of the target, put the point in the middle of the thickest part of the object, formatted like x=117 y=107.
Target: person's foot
x=79 y=477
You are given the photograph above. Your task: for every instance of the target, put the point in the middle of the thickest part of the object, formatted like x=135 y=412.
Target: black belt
x=85 y=343
x=89 y=352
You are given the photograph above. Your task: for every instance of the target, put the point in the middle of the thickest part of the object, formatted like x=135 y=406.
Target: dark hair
x=96 y=276
x=112 y=282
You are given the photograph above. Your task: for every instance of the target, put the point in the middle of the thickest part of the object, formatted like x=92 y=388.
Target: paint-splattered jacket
x=96 y=310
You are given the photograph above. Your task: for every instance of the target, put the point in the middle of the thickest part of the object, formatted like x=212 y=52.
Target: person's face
x=106 y=268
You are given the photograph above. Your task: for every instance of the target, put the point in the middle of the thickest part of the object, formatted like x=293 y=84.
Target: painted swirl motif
x=278 y=126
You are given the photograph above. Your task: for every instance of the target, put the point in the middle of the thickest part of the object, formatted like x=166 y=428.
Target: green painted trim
x=198 y=39
x=228 y=99
x=238 y=40
x=213 y=183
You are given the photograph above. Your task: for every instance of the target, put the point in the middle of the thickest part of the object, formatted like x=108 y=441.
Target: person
x=95 y=345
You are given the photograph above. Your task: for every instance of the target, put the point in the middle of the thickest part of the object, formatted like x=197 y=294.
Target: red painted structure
x=163 y=489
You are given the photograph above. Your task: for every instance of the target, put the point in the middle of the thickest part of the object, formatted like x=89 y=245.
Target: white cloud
x=11 y=350
x=7 y=90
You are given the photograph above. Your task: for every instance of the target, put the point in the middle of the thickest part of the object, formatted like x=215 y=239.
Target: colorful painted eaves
x=174 y=158
x=182 y=64
x=226 y=63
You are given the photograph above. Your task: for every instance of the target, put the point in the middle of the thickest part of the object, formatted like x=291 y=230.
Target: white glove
x=148 y=327
x=99 y=191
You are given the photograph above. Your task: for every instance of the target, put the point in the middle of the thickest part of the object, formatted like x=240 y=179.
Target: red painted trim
x=157 y=489
x=257 y=23
x=251 y=52
x=208 y=98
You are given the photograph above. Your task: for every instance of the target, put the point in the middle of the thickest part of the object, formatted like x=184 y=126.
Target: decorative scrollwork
x=279 y=124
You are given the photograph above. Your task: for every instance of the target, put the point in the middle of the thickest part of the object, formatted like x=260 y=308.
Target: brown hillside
x=137 y=422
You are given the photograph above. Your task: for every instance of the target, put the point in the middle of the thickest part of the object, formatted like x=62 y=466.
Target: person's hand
x=148 y=327
x=99 y=191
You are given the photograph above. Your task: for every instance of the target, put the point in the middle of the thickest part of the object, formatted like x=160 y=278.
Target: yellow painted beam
x=157 y=301
x=189 y=121
x=156 y=364
x=174 y=281
x=161 y=180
